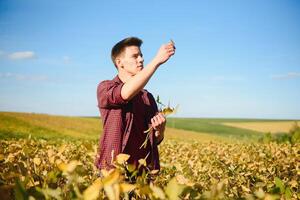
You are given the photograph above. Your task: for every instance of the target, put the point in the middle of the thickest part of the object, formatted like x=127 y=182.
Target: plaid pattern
x=123 y=125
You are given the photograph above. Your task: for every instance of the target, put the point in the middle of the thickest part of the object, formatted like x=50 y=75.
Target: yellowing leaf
x=169 y=110
x=1 y=157
x=122 y=158
x=184 y=181
x=10 y=157
x=142 y=162
x=58 y=161
x=293 y=183
x=111 y=178
x=173 y=189
x=125 y=187
x=157 y=192
x=93 y=191
x=155 y=171
x=52 y=159
x=62 y=166
x=55 y=193
x=72 y=165
x=37 y=161
x=112 y=191
x=145 y=190
x=260 y=193
x=104 y=172
x=62 y=148
x=245 y=189
x=50 y=152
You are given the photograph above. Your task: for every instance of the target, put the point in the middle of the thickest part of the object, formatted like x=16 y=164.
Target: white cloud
x=290 y=75
x=21 y=55
x=23 y=77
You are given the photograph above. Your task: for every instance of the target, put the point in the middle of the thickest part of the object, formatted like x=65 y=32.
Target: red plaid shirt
x=124 y=123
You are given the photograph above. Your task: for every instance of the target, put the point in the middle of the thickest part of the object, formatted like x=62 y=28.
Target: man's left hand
x=158 y=123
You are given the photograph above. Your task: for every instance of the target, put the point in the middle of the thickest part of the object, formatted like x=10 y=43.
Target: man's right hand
x=136 y=83
x=164 y=53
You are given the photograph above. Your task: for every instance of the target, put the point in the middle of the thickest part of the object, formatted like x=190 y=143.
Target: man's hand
x=158 y=123
x=164 y=53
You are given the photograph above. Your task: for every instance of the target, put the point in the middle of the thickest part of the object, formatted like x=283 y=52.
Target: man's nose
x=140 y=59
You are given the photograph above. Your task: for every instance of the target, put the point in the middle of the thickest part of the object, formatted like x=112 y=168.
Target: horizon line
x=90 y=116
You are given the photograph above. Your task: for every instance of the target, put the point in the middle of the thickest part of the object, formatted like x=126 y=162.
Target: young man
x=127 y=110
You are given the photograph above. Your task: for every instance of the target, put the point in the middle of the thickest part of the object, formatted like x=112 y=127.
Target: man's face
x=132 y=60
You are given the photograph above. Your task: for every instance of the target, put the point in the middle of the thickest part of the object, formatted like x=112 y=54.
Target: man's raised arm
x=138 y=82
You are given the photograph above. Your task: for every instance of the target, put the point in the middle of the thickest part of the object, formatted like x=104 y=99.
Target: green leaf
x=288 y=193
x=279 y=184
x=130 y=168
x=20 y=191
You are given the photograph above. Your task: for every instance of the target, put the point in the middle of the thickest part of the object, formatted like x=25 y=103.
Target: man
x=127 y=110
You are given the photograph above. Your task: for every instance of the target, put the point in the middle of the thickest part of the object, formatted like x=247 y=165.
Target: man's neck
x=124 y=77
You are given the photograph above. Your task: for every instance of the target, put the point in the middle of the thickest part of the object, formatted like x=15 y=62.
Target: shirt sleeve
x=153 y=106
x=109 y=95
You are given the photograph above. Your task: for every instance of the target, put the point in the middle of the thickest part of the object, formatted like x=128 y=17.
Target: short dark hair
x=120 y=46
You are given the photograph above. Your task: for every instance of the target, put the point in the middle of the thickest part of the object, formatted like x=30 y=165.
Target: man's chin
x=138 y=69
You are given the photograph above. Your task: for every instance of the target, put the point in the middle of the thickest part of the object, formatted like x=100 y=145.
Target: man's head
x=127 y=56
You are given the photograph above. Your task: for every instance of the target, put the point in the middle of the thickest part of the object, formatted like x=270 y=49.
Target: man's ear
x=119 y=63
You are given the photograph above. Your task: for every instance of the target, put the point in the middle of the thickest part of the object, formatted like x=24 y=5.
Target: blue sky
x=234 y=58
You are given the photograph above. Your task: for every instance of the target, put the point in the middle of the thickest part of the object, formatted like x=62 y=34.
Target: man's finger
x=158 y=120
x=155 y=122
x=170 y=46
x=161 y=119
x=171 y=53
x=162 y=116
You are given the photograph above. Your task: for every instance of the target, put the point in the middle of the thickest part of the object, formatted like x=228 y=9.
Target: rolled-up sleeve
x=109 y=94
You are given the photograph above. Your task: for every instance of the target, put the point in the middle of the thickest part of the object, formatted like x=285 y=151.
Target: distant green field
x=20 y=125
x=215 y=127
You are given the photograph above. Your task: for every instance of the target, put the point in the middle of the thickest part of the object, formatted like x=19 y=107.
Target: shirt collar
x=117 y=79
